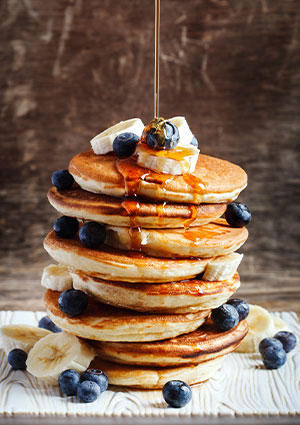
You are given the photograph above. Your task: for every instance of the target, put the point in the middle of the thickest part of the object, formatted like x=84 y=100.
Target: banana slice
x=55 y=353
x=261 y=325
x=177 y=161
x=103 y=142
x=185 y=134
x=280 y=324
x=25 y=333
x=222 y=268
x=57 y=278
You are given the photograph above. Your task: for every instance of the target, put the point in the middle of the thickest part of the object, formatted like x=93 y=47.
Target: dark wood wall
x=71 y=68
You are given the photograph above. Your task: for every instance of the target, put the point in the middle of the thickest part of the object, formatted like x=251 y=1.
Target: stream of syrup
x=156 y=62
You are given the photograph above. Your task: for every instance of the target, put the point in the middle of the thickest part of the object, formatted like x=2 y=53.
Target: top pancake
x=213 y=181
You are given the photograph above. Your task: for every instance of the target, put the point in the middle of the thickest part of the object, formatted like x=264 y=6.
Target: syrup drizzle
x=156 y=65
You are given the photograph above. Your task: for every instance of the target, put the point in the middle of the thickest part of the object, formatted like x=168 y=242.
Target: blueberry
x=225 y=317
x=66 y=227
x=46 y=323
x=237 y=214
x=88 y=391
x=177 y=393
x=62 y=179
x=92 y=234
x=269 y=342
x=273 y=358
x=97 y=376
x=68 y=382
x=124 y=144
x=288 y=340
x=17 y=359
x=73 y=302
x=194 y=142
x=241 y=306
x=162 y=135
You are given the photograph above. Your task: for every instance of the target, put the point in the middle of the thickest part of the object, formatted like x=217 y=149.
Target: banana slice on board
x=57 y=352
x=103 y=142
x=25 y=333
x=222 y=268
x=261 y=325
x=57 y=278
x=177 y=161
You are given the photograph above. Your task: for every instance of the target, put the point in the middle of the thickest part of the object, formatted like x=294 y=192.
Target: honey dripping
x=193 y=215
x=132 y=207
x=205 y=233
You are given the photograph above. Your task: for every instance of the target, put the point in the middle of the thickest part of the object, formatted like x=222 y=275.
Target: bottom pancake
x=204 y=344
x=174 y=297
x=155 y=378
x=102 y=322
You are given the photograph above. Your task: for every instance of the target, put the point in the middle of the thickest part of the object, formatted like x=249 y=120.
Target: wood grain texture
x=71 y=68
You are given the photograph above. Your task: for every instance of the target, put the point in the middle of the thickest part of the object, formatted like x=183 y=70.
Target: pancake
x=155 y=378
x=131 y=212
x=101 y=322
x=176 y=297
x=213 y=181
x=211 y=240
x=204 y=344
x=126 y=266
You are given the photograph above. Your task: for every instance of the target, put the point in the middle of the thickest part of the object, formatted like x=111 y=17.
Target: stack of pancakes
x=149 y=302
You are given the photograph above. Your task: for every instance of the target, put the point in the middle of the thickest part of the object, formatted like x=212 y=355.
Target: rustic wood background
x=71 y=68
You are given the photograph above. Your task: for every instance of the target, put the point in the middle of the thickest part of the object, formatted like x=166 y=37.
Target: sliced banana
x=280 y=324
x=25 y=333
x=185 y=134
x=103 y=142
x=261 y=326
x=177 y=161
x=222 y=268
x=57 y=278
x=57 y=352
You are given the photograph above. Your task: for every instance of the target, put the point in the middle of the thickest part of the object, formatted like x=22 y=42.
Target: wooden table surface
x=71 y=68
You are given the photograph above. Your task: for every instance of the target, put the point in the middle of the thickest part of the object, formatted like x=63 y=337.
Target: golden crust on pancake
x=129 y=212
x=112 y=264
x=102 y=322
x=199 y=346
x=154 y=378
x=211 y=240
x=213 y=181
x=174 y=297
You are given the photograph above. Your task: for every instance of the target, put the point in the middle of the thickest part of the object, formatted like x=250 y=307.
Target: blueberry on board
x=237 y=214
x=165 y=138
x=124 y=144
x=97 y=376
x=66 y=227
x=288 y=340
x=46 y=323
x=269 y=342
x=241 y=306
x=88 y=391
x=225 y=317
x=177 y=393
x=17 y=359
x=73 y=302
x=273 y=358
x=194 y=142
x=68 y=381
x=62 y=179
x=92 y=235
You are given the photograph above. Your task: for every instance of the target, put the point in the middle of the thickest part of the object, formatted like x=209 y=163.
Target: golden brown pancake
x=102 y=322
x=199 y=346
x=175 y=297
x=213 y=181
x=211 y=240
x=151 y=378
x=125 y=266
x=131 y=212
